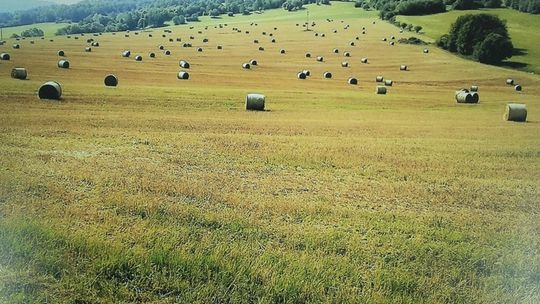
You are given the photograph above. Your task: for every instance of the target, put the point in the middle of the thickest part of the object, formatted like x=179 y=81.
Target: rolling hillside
x=527 y=57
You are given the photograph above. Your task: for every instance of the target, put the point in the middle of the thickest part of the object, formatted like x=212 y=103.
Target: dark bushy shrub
x=421 y=7
x=494 y=49
x=483 y=36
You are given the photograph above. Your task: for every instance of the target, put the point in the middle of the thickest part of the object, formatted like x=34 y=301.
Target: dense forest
x=120 y=15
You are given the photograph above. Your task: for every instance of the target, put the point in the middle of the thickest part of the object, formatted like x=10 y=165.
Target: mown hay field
x=163 y=190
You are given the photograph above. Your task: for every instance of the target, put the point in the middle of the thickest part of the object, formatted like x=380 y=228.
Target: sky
x=10 y=5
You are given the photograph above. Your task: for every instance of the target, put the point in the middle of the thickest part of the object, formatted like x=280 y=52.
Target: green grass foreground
x=167 y=191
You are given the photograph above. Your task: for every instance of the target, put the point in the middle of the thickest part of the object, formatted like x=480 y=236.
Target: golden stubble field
x=166 y=190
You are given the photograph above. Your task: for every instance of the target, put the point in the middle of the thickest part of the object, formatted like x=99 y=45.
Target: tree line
x=117 y=15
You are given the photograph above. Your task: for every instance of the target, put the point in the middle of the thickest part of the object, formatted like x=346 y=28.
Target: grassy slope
x=168 y=191
x=520 y=27
x=49 y=29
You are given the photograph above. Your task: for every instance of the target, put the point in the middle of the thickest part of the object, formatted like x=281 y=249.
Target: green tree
x=469 y=30
x=494 y=49
x=177 y=20
x=32 y=32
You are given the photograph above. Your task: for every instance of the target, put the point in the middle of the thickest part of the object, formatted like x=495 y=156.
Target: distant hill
x=11 y=5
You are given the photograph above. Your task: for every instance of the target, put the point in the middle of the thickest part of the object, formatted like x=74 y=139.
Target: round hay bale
x=364 y=60
x=253 y=62
x=50 y=90
x=152 y=55
x=246 y=66
x=89 y=40
x=516 y=112
x=178 y=39
x=352 y=81
x=308 y=55
x=475 y=97
x=403 y=67
x=344 y=64
x=76 y=38
x=474 y=88
x=161 y=47
x=255 y=102
x=255 y=41
x=96 y=44
x=381 y=90
x=184 y=64
x=273 y=40
x=5 y=56
x=271 y=34
x=357 y=38
x=518 y=88
x=393 y=38
x=183 y=75
x=64 y=64
x=199 y=49
x=384 y=39
x=301 y=75
x=126 y=54
x=347 y=54
x=307 y=72
x=320 y=58
x=88 y=49
x=16 y=46
x=323 y=35
x=351 y=43
x=327 y=75
x=363 y=32
x=282 y=51
x=219 y=47
x=205 y=40
x=19 y=73
x=335 y=51
x=316 y=34
x=392 y=43
x=171 y=40
x=61 y=53
x=167 y=52
x=388 y=82
x=138 y=58
x=426 y=51
x=379 y=78
x=110 y=80
x=510 y=81
x=261 y=48
x=464 y=96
